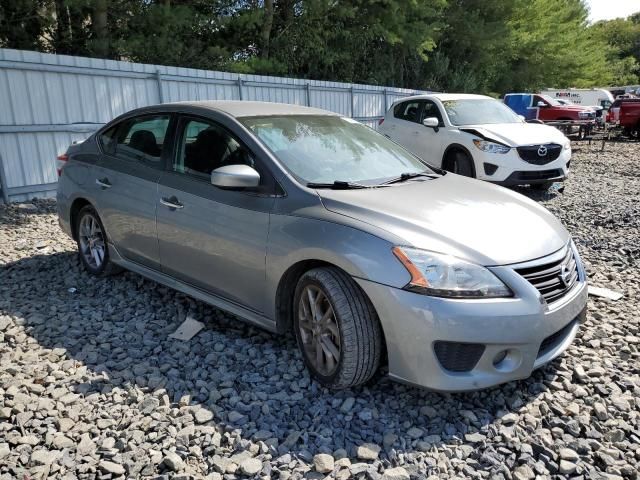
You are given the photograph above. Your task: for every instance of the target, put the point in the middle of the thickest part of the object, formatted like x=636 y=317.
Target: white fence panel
x=48 y=101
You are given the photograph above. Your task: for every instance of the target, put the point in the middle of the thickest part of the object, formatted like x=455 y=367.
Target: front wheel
x=336 y=328
x=461 y=163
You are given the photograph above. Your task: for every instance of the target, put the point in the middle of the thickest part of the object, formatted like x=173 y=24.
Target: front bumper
x=510 y=169
x=530 y=331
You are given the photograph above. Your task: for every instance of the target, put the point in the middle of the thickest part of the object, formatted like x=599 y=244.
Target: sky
x=608 y=9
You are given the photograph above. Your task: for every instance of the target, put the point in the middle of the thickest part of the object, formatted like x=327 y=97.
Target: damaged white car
x=478 y=136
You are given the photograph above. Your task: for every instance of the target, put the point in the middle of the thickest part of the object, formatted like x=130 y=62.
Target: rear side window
x=142 y=138
x=137 y=139
x=407 y=111
x=108 y=141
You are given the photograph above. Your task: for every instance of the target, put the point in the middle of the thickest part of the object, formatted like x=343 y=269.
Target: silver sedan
x=305 y=222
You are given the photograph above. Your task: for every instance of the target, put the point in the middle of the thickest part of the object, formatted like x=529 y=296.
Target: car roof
x=443 y=97
x=241 y=108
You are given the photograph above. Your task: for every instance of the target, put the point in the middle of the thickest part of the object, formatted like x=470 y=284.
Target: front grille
x=553 y=280
x=539 y=175
x=532 y=153
x=458 y=357
x=555 y=339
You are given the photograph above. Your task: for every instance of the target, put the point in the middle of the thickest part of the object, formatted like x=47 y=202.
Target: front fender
x=294 y=239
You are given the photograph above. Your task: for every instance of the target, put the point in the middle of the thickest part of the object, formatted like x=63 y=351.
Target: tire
x=543 y=187
x=91 y=239
x=355 y=329
x=461 y=164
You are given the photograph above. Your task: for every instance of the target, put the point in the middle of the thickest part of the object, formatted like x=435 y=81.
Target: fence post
x=240 y=88
x=308 y=94
x=3 y=184
x=386 y=100
x=353 y=101
x=159 y=80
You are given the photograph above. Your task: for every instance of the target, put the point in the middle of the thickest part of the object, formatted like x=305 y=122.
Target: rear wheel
x=337 y=329
x=461 y=163
x=92 y=243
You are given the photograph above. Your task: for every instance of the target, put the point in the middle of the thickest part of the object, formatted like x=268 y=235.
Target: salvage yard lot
x=91 y=385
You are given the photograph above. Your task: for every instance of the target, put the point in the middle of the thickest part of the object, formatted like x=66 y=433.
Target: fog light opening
x=499 y=358
x=507 y=360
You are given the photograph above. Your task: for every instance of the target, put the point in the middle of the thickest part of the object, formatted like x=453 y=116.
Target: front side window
x=326 y=148
x=430 y=109
x=205 y=146
x=479 y=111
x=407 y=111
x=138 y=139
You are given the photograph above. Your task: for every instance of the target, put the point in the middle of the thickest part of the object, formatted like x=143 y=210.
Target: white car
x=478 y=136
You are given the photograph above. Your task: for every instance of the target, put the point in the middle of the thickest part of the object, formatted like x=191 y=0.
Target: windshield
x=550 y=101
x=479 y=111
x=324 y=149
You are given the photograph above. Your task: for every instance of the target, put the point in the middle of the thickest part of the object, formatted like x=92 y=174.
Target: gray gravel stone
x=111 y=467
x=251 y=466
x=173 y=461
x=323 y=463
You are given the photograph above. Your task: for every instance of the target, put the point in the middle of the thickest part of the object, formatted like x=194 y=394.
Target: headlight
x=491 y=147
x=446 y=276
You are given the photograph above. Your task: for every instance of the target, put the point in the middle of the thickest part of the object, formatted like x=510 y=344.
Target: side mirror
x=432 y=122
x=542 y=104
x=235 y=176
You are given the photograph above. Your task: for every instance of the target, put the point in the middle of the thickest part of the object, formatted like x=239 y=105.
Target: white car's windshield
x=325 y=149
x=478 y=111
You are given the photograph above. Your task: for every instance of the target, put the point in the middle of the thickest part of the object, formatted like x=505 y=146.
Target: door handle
x=171 y=203
x=416 y=133
x=103 y=183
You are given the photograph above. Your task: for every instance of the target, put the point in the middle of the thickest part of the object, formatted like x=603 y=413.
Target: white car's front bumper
x=510 y=169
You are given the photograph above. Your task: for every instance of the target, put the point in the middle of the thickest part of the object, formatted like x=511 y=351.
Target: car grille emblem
x=542 y=151
x=565 y=275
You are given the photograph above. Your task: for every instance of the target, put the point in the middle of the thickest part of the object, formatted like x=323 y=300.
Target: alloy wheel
x=92 y=244
x=319 y=330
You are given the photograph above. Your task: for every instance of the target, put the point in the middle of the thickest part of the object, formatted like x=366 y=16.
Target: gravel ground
x=90 y=385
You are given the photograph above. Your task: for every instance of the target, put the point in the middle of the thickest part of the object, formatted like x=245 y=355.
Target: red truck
x=629 y=117
x=542 y=107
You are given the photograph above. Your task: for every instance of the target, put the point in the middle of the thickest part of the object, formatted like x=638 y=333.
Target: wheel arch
x=77 y=205
x=284 y=302
x=457 y=147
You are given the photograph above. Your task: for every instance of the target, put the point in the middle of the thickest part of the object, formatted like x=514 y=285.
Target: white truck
x=588 y=97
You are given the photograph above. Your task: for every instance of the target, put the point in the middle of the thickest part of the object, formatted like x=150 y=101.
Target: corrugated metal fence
x=48 y=101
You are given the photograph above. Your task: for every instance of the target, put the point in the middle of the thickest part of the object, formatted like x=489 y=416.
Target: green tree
x=623 y=53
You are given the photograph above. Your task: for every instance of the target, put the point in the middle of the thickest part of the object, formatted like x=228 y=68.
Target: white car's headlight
x=441 y=275
x=491 y=147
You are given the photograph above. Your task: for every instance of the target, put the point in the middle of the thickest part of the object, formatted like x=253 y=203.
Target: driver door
x=213 y=238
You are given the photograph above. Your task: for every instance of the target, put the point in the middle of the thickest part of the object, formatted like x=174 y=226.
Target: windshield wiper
x=408 y=176
x=338 y=185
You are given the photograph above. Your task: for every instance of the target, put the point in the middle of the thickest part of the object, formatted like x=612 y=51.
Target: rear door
x=132 y=160
x=209 y=237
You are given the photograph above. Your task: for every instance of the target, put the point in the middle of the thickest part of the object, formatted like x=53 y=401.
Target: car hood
x=467 y=218
x=516 y=134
